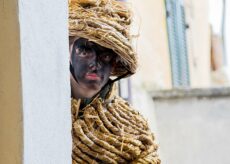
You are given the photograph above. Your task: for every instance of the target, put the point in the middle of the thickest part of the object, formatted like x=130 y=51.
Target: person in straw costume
x=105 y=128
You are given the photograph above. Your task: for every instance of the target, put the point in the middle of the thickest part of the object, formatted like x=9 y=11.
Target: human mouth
x=92 y=76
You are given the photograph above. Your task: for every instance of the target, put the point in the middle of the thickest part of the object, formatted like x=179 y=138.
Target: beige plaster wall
x=198 y=41
x=10 y=85
x=193 y=126
x=152 y=45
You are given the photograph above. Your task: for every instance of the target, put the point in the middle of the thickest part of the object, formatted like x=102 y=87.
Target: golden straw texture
x=111 y=131
x=107 y=23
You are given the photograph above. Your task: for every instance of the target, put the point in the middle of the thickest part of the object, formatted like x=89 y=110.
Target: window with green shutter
x=177 y=42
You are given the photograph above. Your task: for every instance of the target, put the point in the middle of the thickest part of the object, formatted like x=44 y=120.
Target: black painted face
x=92 y=64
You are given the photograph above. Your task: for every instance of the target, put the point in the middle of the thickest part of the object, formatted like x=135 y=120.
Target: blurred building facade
x=192 y=125
x=152 y=44
x=175 y=45
x=198 y=41
x=179 y=47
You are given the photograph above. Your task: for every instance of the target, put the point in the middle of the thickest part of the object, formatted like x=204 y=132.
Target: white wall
x=198 y=42
x=227 y=37
x=194 y=129
x=45 y=81
x=215 y=15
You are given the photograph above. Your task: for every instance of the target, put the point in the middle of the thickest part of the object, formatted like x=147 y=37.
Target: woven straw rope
x=111 y=132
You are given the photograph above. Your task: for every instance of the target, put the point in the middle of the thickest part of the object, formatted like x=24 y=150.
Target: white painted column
x=34 y=56
x=45 y=81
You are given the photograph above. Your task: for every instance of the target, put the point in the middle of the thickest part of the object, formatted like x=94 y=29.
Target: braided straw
x=105 y=135
x=107 y=23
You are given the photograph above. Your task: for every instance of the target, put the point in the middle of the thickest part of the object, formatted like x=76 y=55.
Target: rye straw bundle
x=111 y=132
x=107 y=23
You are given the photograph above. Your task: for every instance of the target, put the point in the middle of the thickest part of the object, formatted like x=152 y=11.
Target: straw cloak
x=109 y=130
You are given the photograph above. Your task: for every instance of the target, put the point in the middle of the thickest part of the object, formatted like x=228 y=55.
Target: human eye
x=84 y=52
x=106 y=57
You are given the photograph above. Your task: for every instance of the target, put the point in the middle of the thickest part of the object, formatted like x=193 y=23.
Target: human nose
x=95 y=63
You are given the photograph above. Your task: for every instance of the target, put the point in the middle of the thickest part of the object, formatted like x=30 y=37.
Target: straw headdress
x=107 y=23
